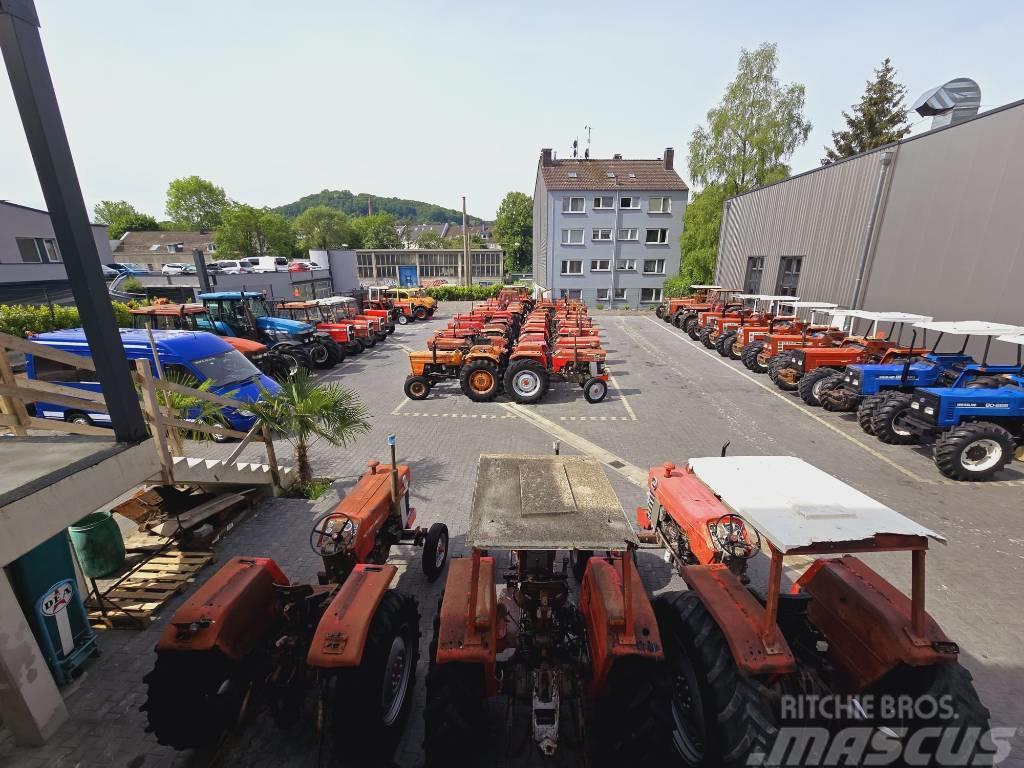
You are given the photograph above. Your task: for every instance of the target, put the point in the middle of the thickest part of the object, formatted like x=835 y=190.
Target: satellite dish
x=951 y=103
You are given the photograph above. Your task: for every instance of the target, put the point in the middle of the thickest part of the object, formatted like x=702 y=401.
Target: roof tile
x=595 y=174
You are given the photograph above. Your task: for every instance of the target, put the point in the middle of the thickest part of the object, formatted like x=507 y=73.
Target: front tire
x=297 y=360
x=884 y=421
x=866 y=412
x=320 y=356
x=479 y=380
x=526 y=381
x=785 y=377
x=435 y=550
x=402 y=320
x=421 y=313
x=810 y=386
x=705 y=338
x=724 y=343
x=973 y=452
x=595 y=390
x=750 y=355
x=417 y=387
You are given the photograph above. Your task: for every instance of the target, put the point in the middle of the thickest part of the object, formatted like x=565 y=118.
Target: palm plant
x=305 y=411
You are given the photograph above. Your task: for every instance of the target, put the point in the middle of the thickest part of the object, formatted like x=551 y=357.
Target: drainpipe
x=723 y=231
x=883 y=171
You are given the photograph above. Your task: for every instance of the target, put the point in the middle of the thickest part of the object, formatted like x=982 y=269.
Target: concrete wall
x=541 y=206
x=342 y=264
x=18 y=222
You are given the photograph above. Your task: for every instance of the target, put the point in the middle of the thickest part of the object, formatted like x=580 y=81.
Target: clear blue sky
x=429 y=100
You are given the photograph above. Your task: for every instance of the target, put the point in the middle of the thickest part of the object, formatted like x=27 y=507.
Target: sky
x=433 y=100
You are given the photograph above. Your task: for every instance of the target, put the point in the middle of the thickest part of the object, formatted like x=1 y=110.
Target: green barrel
x=98 y=543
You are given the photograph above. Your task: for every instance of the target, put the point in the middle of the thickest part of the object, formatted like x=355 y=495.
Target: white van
x=269 y=263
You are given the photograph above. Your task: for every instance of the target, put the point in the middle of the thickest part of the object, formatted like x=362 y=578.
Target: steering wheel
x=734 y=538
x=332 y=533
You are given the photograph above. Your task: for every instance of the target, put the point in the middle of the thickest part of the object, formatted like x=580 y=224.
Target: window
x=628 y=265
x=36 y=250
x=572 y=293
x=649 y=295
x=605 y=201
x=620 y=294
x=629 y=202
x=656 y=236
x=789 y=275
x=603 y=294
x=659 y=205
x=600 y=265
x=211 y=247
x=572 y=205
x=628 y=234
x=572 y=237
x=572 y=267
x=51 y=370
x=654 y=266
x=602 y=235
x=752 y=279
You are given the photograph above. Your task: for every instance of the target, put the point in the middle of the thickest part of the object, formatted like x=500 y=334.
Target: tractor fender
x=231 y=612
x=741 y=618
x=340 y=637
x=469 y=634
x=284 y=345
x=604 y=611
x=866 y=621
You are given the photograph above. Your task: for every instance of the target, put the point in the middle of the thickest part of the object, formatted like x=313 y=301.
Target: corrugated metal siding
x=540 y=232
x=951 y=241
x=821 y=216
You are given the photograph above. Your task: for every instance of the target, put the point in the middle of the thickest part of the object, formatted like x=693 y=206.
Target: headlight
x=929 y=410
x=246 y=414
x=856 y=382
x=915 y=406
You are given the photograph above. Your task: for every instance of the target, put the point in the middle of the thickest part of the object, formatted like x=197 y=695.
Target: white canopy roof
x=970 y=328
x=336 y=300
x=794 y=504
x=768 y=297
x=704 y=287
x=814 y=305
x=887 y=317
x=1013 y=338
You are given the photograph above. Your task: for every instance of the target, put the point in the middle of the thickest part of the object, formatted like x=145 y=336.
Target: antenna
x=575 y=148
x=586 y=153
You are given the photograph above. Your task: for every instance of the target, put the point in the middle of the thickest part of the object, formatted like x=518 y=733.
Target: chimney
x=668 y=158
x=545 y=158
x=616 y=156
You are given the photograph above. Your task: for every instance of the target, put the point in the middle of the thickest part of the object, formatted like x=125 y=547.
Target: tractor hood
x=245 y=346
x=282 y=326
x=885 y=375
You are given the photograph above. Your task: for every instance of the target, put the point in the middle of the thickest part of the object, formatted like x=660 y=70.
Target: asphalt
x=671 y=399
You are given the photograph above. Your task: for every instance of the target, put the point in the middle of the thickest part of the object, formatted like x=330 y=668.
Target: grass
x=315 y=488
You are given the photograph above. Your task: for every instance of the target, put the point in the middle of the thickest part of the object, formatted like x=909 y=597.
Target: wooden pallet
x=140 y=595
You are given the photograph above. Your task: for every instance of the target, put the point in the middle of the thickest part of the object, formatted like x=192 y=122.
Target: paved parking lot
x=671 y=399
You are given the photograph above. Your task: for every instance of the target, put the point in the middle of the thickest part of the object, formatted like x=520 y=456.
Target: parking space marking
x=622 y=397
x=455 y=415
x=400 y=406
x=595 y=418
x=716 y=358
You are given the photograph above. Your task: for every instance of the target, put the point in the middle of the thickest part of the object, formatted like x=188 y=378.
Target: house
x=607 y=230
x=154 y=249
x=31 y=267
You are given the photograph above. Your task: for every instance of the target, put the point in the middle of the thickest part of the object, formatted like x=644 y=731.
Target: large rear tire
x=634 y=716
x=810 y=386
x=735 y=350
x=320 y=355
x=974 y=451
x=724 y=343
x=526 y=381
x=660 y=312
x=720 y=717
x=884 y=422
x=705 y=337
x=336 y=351
x=866 y=412
x=689 y=324
x=785 y=377
x=479 y=380
x=421 y=313
x=750 y=355
x=297 y=360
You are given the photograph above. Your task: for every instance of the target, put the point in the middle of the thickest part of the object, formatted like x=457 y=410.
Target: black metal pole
x=40 y=115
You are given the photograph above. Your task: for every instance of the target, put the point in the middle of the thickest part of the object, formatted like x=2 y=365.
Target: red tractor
x=667 y=310
x=734 y=335
x=344 y=333
x=249 y=636
x=740 y=655
x=717 y=299
x=508 y=625
x=532 y=366
x=763 y=343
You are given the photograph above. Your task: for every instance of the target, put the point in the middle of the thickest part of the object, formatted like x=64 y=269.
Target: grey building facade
x=933 y=224
x=607 y=231
x=31 y=265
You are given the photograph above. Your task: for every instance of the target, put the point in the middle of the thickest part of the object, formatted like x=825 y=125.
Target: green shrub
x=463 y=292
x=19 y=320
x=676 y=286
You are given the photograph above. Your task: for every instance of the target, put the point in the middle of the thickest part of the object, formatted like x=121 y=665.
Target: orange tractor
x=759 y=344
x=508 y=625
x=667 y=310
x=477 y=367
x=733 y=335
x=716 y=299
x=746 y=660
x=344 y=334
x=250 y=636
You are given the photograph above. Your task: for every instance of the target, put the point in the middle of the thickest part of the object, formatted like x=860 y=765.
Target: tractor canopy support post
x=917 y=591
x=628 y=636
x=395 y=503
x=771 y=608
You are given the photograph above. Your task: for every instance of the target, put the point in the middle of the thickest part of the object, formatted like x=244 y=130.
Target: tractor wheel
x=402 y=319
x=866 y=412
x=275 y=366
x=417 y=387
x=660 y=312
x=973 y=451
x=578 y=559
x=526 y=381
x=836 y=398
x=689 y=324
x=193 y=698
x=297 y=360
x=353 y=347
x=634 y=721
x=369 y=340
x=420 y=313
x=435 y=550
x=479 y=380
x=320 y=355
x=749 y=358
x=336 y=351
x=705 y=338
x=958 y=707
x=735 y=350
x=884 y=421
x=373 y=699
x=724 y=343
x=595 y=390
x=785 y=377
x=983 y=382
x=720 y=717
x=810 y=386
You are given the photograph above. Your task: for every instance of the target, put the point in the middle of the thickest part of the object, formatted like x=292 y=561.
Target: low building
x=399 y=266
x=154 y=249
x=31 y=267
x=607 y=231
x=930 y=225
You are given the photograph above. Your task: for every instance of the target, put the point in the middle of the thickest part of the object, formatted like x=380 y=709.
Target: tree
x=748 y=139
x=305 y=411
x=246 y=232
x=513 y=229
x=194 y=203
x=879 y=118
x=430 y=239
x=377 y=231
x=322 y=228
x=120 y=217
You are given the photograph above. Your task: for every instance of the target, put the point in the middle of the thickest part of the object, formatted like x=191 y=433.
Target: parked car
x=234 y=267
x=300 y=266
x=128 y=267
x=189 y=269
x=173 y=269
x=200 y=356
x=269 y=263
x=215 y=268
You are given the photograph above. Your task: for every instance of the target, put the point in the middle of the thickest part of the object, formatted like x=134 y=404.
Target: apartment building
x=607 y=230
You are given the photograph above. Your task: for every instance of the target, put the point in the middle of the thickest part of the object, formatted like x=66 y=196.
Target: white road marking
x=788 y=401
x=400 y=406
x=622 y=397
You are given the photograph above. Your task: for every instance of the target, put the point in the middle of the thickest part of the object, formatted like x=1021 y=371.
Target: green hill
x=408 y=211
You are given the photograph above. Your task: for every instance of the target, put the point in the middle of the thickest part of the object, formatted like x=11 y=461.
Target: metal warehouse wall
x=951 y=240
x=821 y=215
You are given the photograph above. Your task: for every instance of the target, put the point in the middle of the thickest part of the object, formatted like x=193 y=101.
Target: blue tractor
x=247 y=314
x=865 y=386
x=976 y=430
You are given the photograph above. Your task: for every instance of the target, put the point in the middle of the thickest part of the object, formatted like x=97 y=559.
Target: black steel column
x=40 y=115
